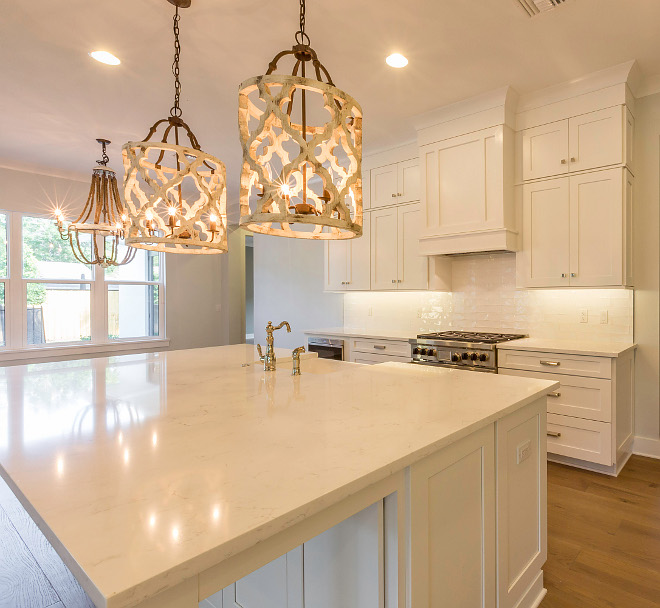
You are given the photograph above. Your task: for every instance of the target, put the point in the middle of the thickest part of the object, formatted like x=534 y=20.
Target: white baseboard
x=647 y=446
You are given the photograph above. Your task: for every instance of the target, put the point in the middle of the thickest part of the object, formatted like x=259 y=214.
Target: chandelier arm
x=293 y=92
x=77 y=251
x=100 y=202
x=89 y=205
x=117 y=202
x=272 y=66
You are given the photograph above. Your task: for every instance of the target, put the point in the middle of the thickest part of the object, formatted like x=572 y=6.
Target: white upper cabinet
x=545 y=150
x=546 y=217
x=394 y=184
x=384 y=186
x=596 y=139
x=577 y=231
x=395 y=259
x=347 y=265
x=589 y=141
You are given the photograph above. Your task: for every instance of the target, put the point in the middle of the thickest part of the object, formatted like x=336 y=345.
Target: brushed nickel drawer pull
x=554 y=434
x=380 y=346
x=554 y=394
x=553 y=363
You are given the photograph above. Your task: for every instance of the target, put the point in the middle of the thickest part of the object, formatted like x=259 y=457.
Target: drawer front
x=558 y=363
x=583 y=439
x=389 y=347
x=373 y=358
x=578 y=396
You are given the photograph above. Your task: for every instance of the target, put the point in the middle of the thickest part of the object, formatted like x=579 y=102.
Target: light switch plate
x=584 y=316
x=523 y=451
x=603 y=317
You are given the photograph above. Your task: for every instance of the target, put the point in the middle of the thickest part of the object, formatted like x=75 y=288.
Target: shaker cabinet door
x=384 y=242
x=336 y=265
x=596 y=139
x=408 y=190
x=413 y=268
x=359 y=257
x=545 y=150
x=546 y=219
x=596 y=233
x=384 y=186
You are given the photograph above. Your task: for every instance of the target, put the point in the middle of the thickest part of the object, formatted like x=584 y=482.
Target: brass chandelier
x=175 y=194
x=302 y=162
x=103 y=218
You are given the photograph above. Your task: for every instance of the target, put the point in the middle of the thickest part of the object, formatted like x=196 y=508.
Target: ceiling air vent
x=534 y=7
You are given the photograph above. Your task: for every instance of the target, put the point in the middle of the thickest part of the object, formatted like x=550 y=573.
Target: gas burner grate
x=471 y=336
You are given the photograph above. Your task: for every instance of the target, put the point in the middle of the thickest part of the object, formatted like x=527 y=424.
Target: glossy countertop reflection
x=143 y=470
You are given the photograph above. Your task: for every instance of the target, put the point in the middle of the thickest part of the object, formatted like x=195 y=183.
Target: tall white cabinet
x=575 y=187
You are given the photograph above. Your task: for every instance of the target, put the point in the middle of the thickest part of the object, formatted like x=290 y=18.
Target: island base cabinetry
x=465 y=528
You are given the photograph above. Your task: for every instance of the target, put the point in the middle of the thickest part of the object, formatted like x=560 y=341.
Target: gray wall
x=646 y=266
x=288 y=286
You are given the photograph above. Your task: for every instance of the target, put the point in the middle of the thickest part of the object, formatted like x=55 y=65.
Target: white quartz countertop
x=143 y=470
x=339 y=332
x=570 y=347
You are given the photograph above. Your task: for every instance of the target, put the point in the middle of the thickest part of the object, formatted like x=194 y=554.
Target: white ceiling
x=55 y=100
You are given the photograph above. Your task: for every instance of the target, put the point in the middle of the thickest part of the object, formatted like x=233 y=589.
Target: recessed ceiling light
x=105 y=57
x=396 y=60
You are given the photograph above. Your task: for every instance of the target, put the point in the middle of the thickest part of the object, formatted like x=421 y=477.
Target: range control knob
x=474 y=356
x=455 y=358
x=423 y=351
x=483 y=357
x=415 y=351
x=464 y=356
x=430 y=352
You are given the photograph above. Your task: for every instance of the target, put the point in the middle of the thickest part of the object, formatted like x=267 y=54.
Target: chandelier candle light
x=302 y=162
x=175 y=194
x=103 y=218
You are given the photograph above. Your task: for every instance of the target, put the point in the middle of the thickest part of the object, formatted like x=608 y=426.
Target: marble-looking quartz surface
x=569 y=347
x=144 y=470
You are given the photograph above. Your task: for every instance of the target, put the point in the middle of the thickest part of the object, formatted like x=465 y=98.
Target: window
x=48 y=297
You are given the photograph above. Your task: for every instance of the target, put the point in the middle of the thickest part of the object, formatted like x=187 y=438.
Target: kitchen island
x=165 y=479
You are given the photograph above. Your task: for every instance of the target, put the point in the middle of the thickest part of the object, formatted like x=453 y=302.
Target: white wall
x=288 y=286
x=485 y=298
x=194 y=284
x=647 y=270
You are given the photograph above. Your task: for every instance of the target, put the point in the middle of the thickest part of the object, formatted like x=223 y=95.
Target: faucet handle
x=295 y=355
x=261 y=355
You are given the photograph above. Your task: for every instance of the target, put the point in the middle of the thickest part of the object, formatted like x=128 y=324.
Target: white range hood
x=466 y=156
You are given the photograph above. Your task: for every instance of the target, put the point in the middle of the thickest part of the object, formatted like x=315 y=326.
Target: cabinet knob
x=563 y=275
x=399 y=194
x=573 y=159
x=563 y=161
x=573 y=274
x=393 y=195
x=393 y=280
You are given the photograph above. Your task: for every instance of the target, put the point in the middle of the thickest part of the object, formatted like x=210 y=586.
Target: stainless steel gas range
x=476 y=351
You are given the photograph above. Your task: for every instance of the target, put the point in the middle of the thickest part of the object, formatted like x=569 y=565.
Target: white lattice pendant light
x=103 y=220
x=302 y=151
x=175 y=194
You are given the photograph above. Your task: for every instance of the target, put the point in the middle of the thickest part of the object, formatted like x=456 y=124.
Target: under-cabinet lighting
x=396 y=60
x=105 y=57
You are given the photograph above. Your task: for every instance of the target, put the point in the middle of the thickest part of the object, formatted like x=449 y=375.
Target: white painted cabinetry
x=590 y=416
x=395 y=259
x=580 y=143
x=372 y=351
x=577 y=230
x=394 y=184
x=347 y=261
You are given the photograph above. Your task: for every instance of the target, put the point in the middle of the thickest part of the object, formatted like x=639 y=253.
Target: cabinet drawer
x=383 y=347
x=583 y=439
x=577 y=396
x=558 y=363
x=373 y=359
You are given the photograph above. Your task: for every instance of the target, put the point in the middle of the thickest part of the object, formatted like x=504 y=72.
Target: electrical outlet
x=370 y=312
x=584 y=316
x=603 y=317
x=523 y=451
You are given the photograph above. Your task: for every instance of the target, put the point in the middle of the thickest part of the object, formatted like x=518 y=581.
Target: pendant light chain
x=176 y=110
x=301 y=36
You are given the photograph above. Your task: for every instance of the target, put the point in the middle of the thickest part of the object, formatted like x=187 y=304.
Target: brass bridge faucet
x=269 y=357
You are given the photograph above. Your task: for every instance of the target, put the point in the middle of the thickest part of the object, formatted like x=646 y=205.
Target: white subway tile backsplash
x=485 y=298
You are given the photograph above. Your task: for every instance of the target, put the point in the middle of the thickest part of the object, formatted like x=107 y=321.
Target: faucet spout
x=269 y=358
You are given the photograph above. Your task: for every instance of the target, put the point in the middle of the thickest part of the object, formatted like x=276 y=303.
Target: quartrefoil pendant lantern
x=175 y=194
x=103 y=219
x=302 y=151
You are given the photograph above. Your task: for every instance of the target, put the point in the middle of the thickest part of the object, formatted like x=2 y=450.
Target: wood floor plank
x=22 y=582
x=59 y=576
x=603 y=537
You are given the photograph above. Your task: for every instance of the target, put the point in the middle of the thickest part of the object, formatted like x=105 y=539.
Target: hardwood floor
x=604 y=537
x=603 y=545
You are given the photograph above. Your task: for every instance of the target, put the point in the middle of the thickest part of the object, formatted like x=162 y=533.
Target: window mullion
x=99 y=307
x=15 y=316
